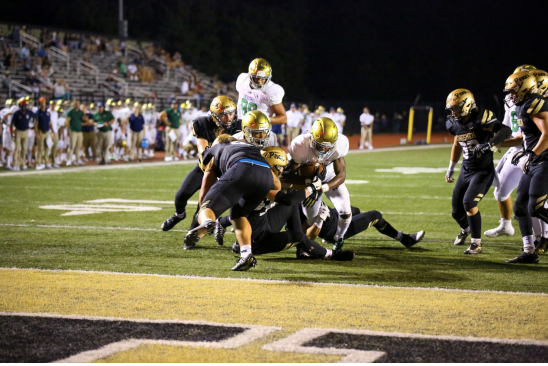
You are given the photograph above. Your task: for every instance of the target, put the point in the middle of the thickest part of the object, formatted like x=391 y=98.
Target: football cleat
x=473 y=249
x=411 y=239
x=338 y=245
x=173 y=220
x=526 y=258
x=219 y=233
x=542 y=246
x=461 y=238
x=500 y=230
x=197 y=233
x=245 y=263
x=236 y=247
x=302 y=254
x=343 y=255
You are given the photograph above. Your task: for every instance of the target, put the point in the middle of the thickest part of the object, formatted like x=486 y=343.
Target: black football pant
x=531 y=197
x=361 y=222
x=470 y=188
x=191 y=184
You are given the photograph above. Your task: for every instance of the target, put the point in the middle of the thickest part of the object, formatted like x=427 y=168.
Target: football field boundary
x=185 y=162
x=157 y=275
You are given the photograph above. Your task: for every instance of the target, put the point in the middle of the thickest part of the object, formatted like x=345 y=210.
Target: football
x=308 y=170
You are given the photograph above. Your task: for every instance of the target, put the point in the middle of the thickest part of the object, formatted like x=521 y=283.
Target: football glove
x=316 y=182
x=324 y=212
x=449 y=174
x=482 y=149
x=526 y=157
x=313 y=197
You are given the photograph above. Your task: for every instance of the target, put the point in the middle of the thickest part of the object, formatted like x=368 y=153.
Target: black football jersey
x=472 y=133
x=329 y=227
x=531 y=134
x=226 y=155
x=206 y=128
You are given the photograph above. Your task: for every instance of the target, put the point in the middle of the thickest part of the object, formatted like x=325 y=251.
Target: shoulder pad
x=537 y=105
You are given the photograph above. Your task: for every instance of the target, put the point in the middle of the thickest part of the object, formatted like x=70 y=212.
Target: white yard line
x=272 y=281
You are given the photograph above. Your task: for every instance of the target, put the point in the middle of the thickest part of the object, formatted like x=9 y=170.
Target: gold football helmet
x=340 y=110
x=256 y=127
x=9 y=102
x=223 y=111
x=277 y=159
x=460 y=103
x=519 y=86
x=542 y=81
x=259 y=69
x=324 y=136
x=524 y=68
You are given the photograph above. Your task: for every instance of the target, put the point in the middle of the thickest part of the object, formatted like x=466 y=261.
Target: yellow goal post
x=412 y=118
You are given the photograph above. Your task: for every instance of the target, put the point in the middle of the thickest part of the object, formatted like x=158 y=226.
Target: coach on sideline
x=21 y=121
x=104 y=120
x=136 y=124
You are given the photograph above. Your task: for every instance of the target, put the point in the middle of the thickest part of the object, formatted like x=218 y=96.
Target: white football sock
x=245 y=250
x=528 y=244
x=342 y=226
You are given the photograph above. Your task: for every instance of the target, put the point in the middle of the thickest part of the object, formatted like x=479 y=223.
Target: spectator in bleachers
x=6 y=82
x=73 y=123
x=33 y=82
x=295 y=119
x=104 y=119
x=24 y=55
x=61 y=90
x=9 y=60
x=132 y=72
x=89 y=136
x=3 y=47
x=136 y=125
x=54 y=40
x=122 y=68
x=366 y=121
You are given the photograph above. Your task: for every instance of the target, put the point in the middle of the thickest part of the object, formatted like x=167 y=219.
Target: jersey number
x=515 y=125
x=248 y=106
x=468 y=148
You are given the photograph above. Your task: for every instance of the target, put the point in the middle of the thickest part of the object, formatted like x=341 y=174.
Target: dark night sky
x=341 y=50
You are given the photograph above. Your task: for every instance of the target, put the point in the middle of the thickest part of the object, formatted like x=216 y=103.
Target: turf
x=410 y=202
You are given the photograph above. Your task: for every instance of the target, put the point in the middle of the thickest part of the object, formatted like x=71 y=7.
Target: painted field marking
x=252 y=332
x=413 y=170
x=294 y=343
x=355 y=181
x=94 y=206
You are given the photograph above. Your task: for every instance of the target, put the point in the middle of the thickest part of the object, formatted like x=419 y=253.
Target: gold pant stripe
x=542 y=198
x=477 y=199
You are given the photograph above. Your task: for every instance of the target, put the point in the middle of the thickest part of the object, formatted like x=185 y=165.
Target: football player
x=361 y=221
x=256 y=130
x=532 y=115
x=477 y=133
x=7 y=139
x=258 y=92
x=221 y=121
x=236 y=177
x=509 y=174
x=327 y=147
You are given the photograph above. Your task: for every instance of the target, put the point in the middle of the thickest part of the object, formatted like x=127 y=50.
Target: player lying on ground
x=477 y=133
x=531 y=200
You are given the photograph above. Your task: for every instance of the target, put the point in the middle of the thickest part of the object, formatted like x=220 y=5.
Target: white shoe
x=80 y=163
x=40 y=167
x=25 y=167
x=48 y=166
x=15 y=169
x=502 y=229
x=176 y=158
x=370 y=147
x=69 y=163
x=56 y=165
x=361 y=147
x=168 y=158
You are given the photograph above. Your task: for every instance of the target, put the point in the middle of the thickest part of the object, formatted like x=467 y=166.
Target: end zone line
x=269 y=281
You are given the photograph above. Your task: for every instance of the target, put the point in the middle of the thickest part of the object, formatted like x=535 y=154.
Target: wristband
x=310 y=190
x=318 y=222
x=325 y=187
x=452 y=165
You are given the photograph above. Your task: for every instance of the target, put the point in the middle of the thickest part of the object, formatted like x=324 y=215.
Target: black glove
x=310 y=200
x=482 y=149
x=527 y=157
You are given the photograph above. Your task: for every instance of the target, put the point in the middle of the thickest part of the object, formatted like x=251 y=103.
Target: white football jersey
x=54 y=118
x=257 y=99
x=272 y=140
x=301 y=150
x=511 y=121
x=3 y=114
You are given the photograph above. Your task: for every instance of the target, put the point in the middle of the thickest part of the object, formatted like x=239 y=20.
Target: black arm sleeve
x=290 y=198
x=502 y=132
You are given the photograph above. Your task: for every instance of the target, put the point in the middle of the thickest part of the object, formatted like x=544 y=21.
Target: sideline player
x=509 y=175
x=477 y=133
x=7 y=138
x=532 y=113
x=327 y=147
x=206 y=129
x=258 y=92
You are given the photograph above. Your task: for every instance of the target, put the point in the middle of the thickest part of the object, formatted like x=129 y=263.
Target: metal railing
x=88 y=68
x=133 y=51
x=28 y=39
x=55 y=52
x=16 y=86
x=111 y=88
x=162 y=64
x=138 y=92
x=46 y=84
x=120 y=81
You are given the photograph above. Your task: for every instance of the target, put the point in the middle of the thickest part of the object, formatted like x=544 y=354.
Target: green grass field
x=33 y=237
